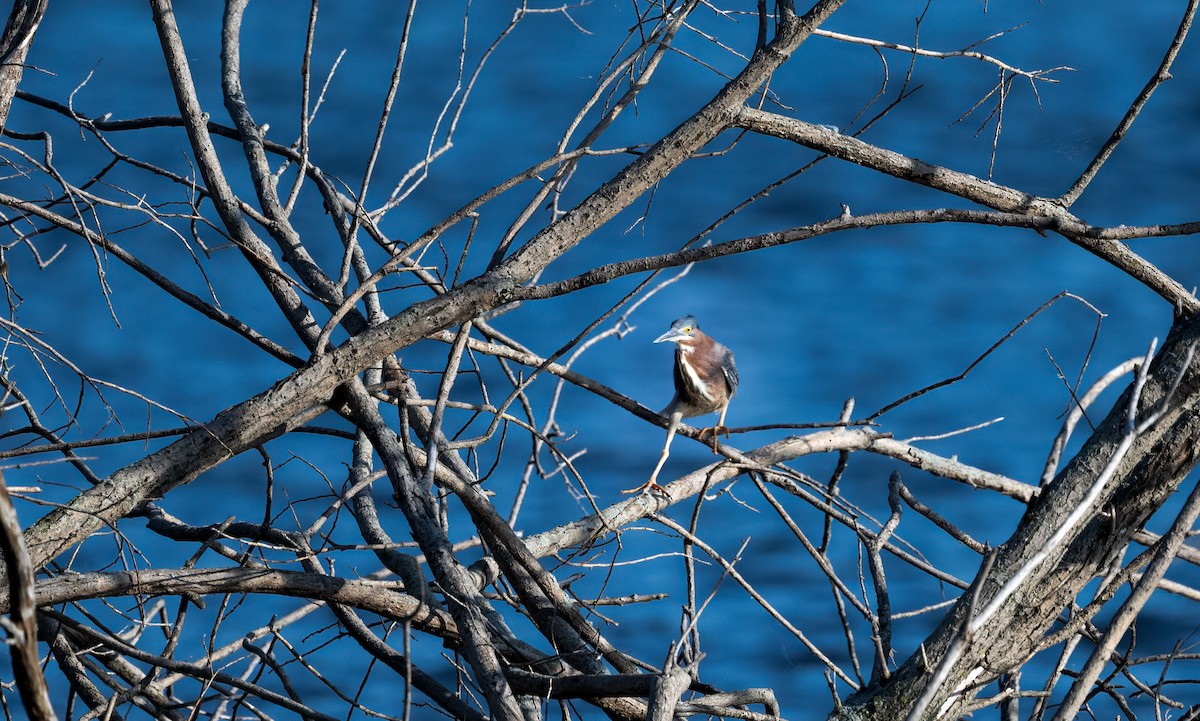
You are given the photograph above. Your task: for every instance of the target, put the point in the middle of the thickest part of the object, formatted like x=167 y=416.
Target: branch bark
x=969 y=187
x=280 y=408
x=1144 y=478
x=18 y=35
x=379 y=597
x=22 y=628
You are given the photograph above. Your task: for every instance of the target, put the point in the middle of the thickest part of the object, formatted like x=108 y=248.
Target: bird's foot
x=716 y=431
x=650 y=486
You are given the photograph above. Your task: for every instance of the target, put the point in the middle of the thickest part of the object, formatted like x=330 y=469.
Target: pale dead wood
x=532 y=628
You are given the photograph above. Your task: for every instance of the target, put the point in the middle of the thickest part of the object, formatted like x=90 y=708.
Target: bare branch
x=1161 y=75
x=22 y=628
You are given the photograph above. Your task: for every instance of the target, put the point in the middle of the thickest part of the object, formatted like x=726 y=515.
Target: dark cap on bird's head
x=681 y=330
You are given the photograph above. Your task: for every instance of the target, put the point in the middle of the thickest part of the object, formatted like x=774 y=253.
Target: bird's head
x=682 y=331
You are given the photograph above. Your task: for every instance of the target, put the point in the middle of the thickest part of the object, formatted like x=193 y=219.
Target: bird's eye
x=687 y=329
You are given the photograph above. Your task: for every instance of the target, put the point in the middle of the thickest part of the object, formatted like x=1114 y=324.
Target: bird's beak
x=671 y=335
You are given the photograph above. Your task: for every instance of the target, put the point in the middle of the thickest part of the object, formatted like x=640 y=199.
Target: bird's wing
x=729 y=368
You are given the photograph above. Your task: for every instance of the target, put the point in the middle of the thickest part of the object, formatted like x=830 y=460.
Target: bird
x=706 y=379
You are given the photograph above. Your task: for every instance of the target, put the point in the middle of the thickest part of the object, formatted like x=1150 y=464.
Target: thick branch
x=585 y=531
x=656 y=163
x=1142 y=479
x=458 y=587
x=969 y=187
x=378 y=597
x=275 y=411
x=223 y=198
x=22 y=628
x=14 y=47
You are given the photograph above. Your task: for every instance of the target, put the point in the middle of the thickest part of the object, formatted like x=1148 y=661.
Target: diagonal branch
x=1142 y=472
x=1161 y=75
x=223 y=198
x=14 y=47
x=972 y=188
x=278 y=409
x=22 y=628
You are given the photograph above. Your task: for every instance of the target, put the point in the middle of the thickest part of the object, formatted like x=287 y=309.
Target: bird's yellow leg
x=717 y=429
x=652 y=484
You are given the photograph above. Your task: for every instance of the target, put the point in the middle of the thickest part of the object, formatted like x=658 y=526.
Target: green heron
x=705 y=380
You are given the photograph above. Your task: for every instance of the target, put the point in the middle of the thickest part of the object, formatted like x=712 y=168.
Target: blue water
x=869 y=315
